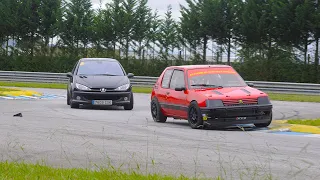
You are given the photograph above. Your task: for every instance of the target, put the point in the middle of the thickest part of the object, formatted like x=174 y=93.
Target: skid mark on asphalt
x=45 y=96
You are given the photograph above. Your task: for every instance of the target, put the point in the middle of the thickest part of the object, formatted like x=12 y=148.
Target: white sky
x=160 y=5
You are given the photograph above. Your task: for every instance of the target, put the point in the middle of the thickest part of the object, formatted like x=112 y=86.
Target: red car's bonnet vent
x=217 y=92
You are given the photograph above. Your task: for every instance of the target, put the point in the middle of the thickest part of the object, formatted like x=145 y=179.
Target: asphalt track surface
x=52 y=132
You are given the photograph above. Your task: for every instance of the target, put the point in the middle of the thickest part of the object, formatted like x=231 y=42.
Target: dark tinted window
x=100 y=67
x=177 y=79
x=166 y=78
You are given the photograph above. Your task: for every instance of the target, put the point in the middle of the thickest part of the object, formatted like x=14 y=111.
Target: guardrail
x=146 y=81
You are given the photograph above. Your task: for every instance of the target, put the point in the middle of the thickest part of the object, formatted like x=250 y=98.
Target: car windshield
x=100 y=67
x=213 y=77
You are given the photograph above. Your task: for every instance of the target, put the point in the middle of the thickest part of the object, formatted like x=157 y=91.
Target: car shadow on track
x=88 y=107
x=244 y=128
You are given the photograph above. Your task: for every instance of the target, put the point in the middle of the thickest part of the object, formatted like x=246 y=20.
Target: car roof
x=200 y=66
x=101 y=59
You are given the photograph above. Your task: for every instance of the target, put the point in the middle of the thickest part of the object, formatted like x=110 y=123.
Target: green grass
x=309 y=122
x=34 y=85
x=294 y=97
x=6 y=89
x=14 y=170
x=273 y=96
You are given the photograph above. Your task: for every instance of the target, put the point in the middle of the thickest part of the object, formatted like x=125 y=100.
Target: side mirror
x=250 y=84
x=69 y=74
x=130 y=75
x=180 y=89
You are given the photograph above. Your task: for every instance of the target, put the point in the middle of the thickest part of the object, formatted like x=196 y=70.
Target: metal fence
x=145 y=81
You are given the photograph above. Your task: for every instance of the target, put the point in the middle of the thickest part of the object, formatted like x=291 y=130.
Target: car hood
x=232 y=92
x=102 y=81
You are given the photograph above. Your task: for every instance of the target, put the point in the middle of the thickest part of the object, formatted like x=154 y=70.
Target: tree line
x=271 y=38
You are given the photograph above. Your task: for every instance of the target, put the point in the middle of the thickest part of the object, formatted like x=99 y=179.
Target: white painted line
x=5 y=97
x=313 y=135
x=31 y=97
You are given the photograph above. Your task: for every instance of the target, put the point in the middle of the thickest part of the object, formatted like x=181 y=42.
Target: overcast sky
x=160 y=5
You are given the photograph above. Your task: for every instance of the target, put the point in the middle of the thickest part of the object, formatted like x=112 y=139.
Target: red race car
x=208 y=95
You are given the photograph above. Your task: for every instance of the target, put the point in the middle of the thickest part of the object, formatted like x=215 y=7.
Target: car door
x=163 y=91
x=177 y=99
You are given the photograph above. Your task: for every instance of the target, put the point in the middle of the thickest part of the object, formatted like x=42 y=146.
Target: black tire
x=194 y=116
x=156 y=112
x=74 y=105
x=129 y=106
x=68 y=98
x=262 y=125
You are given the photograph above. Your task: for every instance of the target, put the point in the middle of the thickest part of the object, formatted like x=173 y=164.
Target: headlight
x=123 y=87
x=214 y=103
x=264 y=100
x=82 y=87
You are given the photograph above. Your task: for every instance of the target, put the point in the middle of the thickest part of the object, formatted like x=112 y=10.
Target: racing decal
x=174 y=106
x=208 y=71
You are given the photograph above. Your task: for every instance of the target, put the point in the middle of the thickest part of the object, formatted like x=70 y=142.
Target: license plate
x=102 y=102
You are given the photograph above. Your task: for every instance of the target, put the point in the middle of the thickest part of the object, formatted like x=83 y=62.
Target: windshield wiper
x=207 y=85
x=107 y=74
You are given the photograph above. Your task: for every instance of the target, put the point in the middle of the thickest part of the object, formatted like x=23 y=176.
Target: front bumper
x=85 y=97
x=229 y=116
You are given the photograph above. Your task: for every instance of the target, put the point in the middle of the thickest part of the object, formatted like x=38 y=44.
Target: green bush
x=280 y=68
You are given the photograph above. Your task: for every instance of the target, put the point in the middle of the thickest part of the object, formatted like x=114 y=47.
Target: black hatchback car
x=100 y=82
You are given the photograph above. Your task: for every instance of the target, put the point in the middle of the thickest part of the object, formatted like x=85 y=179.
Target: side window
x=177 y=79
x=166 y=78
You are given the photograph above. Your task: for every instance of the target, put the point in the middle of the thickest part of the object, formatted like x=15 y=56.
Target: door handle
x=167 y=93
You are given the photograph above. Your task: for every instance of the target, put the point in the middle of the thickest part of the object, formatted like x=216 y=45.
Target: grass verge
x=297 y=125
x=294 y=97
x=7 y=89
x=14 y=170
x=33 y=85
x=309 y=122
x=273 y=96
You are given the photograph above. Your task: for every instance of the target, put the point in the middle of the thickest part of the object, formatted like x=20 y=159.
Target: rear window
x=100 y=67
x=226 y=77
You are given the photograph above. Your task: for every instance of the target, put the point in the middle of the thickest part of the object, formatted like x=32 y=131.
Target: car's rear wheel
x=194 y=116
x=130 y=105
x=262 y=125
x=156 y=112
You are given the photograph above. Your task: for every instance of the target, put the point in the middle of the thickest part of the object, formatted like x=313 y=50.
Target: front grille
x=238 y=102
x=101 y=97
x=238 y=112
x=99 y=89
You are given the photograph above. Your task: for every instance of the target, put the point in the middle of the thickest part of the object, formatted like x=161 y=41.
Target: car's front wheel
x=68 y=98
x=156 y=112
x=194 y=116
x=130 y=105
x=73 y=105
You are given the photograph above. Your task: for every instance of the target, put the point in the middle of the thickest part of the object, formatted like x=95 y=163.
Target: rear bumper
x=229 y=116
x=118 y=98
